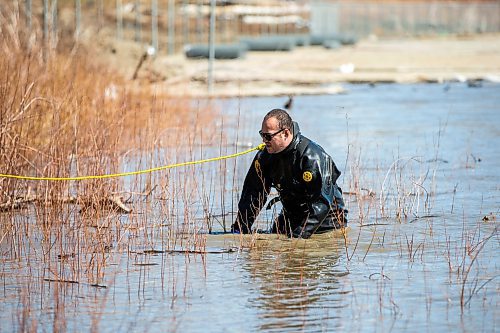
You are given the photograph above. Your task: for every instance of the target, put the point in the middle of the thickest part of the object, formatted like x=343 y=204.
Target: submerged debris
x=108 y=202
x=201 y=251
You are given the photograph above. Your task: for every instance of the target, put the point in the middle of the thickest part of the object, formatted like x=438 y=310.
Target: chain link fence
x=409 y=18
x=168 y=25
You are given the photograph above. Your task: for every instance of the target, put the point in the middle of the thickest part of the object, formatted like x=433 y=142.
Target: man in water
x=303 y=174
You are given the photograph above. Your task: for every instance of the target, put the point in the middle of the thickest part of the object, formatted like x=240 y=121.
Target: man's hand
x=235 y=229
x=239 y=228
x=301 y=232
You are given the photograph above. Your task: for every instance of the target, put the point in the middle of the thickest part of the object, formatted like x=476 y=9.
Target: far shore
x=312 y=69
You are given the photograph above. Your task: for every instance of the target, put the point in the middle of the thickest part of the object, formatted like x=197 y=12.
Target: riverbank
x=312 y=69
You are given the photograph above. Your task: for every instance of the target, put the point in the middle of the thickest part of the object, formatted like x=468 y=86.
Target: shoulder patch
x=307 y=176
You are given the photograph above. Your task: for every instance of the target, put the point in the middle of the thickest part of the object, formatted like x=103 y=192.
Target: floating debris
x=489 y=217
x=475 y=83
x=382 y=276
x=66 y=256
x=61 y=280
x=153 y=251
x=95 y=285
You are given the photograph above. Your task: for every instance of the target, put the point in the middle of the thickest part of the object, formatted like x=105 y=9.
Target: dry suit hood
x=296 y=130
x=295 y=140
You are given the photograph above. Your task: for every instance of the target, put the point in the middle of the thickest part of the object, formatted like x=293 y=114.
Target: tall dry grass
x=63 y=115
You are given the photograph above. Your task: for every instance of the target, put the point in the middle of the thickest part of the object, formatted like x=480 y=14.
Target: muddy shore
x=312 y=69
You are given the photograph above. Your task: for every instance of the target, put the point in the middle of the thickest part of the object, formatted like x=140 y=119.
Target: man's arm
x=253 y=196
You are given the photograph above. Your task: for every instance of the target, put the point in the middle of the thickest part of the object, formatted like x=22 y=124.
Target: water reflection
x=297 y=284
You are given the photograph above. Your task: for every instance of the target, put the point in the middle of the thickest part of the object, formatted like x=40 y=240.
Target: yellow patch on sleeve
x=257 y=166
x=307 y=176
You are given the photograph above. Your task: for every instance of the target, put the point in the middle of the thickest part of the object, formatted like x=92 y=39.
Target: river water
x=420 y=168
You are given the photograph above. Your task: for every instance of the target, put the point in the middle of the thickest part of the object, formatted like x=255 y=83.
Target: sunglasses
x=269 y=136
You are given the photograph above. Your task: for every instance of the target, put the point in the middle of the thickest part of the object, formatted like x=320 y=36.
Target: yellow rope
x=130 y=173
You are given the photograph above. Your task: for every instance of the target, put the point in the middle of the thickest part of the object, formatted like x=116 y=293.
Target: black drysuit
x=305 y=177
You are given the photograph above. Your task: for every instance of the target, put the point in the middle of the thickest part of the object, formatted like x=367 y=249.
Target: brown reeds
x=64 y=115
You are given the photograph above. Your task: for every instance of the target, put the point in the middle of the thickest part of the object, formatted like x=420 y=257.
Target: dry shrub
x=62 y=115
